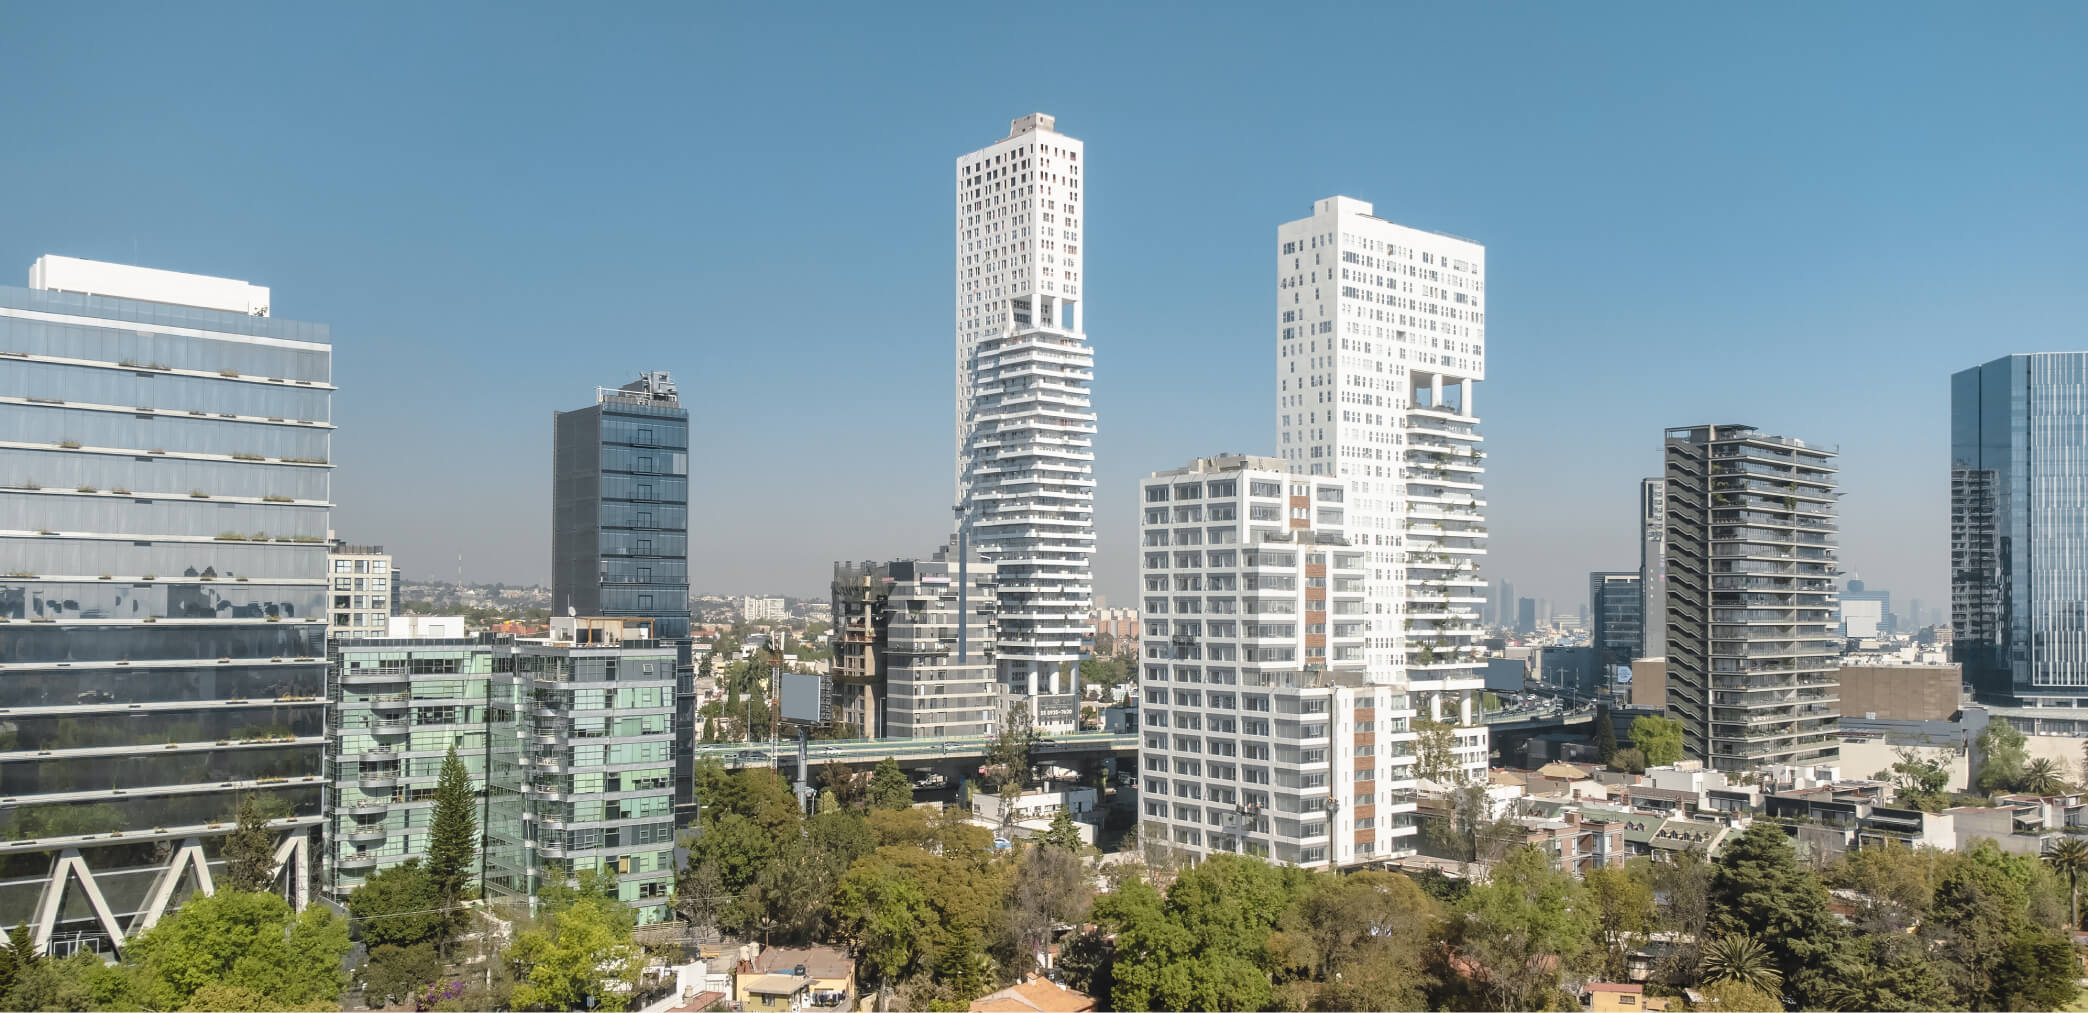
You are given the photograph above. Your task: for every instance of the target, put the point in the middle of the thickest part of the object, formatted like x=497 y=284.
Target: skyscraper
x=1616 y=627
x=1025 y=428
x=620 y=528
x=1752 y=659
x=2019 y=535
x=1653 y=566
x=166 y=488
x=1381 y=333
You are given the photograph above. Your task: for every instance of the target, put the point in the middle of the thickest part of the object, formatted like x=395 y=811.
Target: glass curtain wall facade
x=1616 y=605
x=164 y=509
x=589 y=782
x=2019 y=533
x=1753 y=662
x=620 y=527
x=400 y=705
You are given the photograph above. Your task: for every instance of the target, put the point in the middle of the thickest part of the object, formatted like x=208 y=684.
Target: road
x=823 y=751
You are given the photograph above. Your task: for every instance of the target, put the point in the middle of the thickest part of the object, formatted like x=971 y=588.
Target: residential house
x=828 y=973
x=1037 y=995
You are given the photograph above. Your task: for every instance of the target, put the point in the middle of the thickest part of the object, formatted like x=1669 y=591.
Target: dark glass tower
x=2019 y=535
x=620 y=525
x=164 y=506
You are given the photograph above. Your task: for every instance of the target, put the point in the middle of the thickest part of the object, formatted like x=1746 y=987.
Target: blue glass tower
x=2019 y=533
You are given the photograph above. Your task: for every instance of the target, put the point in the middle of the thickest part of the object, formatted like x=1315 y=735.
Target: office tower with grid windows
x=620 y=528
x=1381 y=343
x=2019 y=537
x=1753 y=661
x=164 y=505
x=1025 y=427
x=362 y=591
x=1263 y=731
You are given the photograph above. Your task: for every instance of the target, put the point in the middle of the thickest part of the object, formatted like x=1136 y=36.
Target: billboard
x=804 y=697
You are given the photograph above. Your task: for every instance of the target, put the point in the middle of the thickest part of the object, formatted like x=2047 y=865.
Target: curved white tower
x=1025 y=427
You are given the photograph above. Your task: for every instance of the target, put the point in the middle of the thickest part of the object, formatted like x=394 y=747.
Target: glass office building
x=620 y=527
x=399 y=706
x=164 y=504
x=2019 y=536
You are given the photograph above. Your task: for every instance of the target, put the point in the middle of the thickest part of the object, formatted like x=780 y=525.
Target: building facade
x=1617 y=627
x=1121 y=627
x=1752 y=656
x=620 y=527
x=1653 y=567
x=587 y=780
x=1025 y=425
x=1263 y=731
x=913 y=655
x=2019 y=536
x=361 y=591
x=1381 y=342
x=399 y=706
x=165 y=492
x=758 y=610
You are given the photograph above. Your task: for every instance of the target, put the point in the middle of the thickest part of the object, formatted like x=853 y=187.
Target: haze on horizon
x=1690 y=216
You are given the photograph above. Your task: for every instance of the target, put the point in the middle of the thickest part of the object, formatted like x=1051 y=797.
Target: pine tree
x=250 y=849
x=1063 y=834
x=1605 y=737
x=453 y=837
x=889 y=788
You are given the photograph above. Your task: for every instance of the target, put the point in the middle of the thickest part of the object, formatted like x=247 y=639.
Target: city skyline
x=391 y=228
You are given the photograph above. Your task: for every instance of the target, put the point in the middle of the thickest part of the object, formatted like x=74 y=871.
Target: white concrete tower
x=1025 y=427
x=1381 y=335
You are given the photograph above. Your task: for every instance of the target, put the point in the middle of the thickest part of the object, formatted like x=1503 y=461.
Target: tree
x=398 y=906
x=453 y=837
x=885 y=917
x=1605 y=737
x=1733 y=997
x=1628 y=760
x=1659 y=737
x=1203 y=946
x=1896 y=884
x=1741 y=959
x=1468 y=829
x=1682 y=909
x=962 y=970
x=1359 y=941
x=1050 y=888
x=2069 y=857
x=699 y=895
x=1011 y=750
x=1994 y=949
x=250 y=848
x=889 y=788
x=1760 y=891
x=562 y=963
x=1522 y=930
x=397 y=972
x=1435 y=758
x=1063 y=833
x=1623 y=903
x=244 y=940
x=1922 y=781
x=2042 y=776
x=1888 y=970
x=1999 y=754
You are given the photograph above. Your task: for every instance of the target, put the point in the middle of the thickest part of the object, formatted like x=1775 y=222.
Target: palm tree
x=1741 y=959
x=2043 y=777
x=2070 y=857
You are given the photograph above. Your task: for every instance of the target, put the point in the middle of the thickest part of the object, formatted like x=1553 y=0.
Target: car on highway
x=830 y=750
x=752 y=755
x=951 y=747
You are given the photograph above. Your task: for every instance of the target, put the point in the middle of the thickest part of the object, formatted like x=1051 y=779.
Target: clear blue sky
x=1801 y=216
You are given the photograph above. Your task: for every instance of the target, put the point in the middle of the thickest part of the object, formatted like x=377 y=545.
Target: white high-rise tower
x=1025 y=428
x=1381 y=333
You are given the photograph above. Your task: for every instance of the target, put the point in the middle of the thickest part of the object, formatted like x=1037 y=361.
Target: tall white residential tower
x=1025 y=427
x=1381 y=334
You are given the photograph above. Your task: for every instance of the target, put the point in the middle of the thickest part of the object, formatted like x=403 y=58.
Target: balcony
x=370 y=805
x=373 y=832
x=381 y=779
x=357 y=860
x=390 y=726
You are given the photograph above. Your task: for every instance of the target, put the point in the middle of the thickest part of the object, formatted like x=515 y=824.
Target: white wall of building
x=93 y=277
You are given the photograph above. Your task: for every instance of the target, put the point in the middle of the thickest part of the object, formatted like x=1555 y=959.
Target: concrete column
x=1467 y=388
x=1435 y=390
x=1464 y=708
